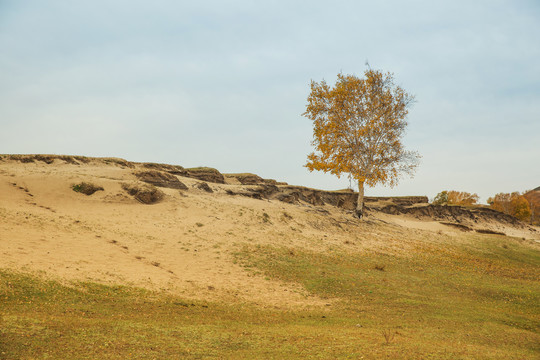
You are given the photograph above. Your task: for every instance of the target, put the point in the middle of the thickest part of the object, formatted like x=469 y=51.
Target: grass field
x=476 y=299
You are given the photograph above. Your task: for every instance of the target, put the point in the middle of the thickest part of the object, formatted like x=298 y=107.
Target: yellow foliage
x=453 y=197
x=462 y=198
x=513 y=204
x=357 y=128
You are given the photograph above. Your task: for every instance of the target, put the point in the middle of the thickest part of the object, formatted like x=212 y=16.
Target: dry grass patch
x=146 y=194
x=86 y=188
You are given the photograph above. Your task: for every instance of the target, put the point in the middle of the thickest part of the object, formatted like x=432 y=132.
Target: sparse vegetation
x=313 y=284
x=477 y=300
x=146 y=194
x=86 y=188
x=379 y=267
x=388 y=335
x=162 y=179
x=488 y=292
x=266 y=218
x=204 y=186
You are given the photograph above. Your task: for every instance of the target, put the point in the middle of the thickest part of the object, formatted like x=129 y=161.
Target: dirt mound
x=146 y=194
x=447 y=213
x=206 y=174
x=250 y=179
x=296 y=194
x=396 y=200
x=171 y=169
x=205 y=187
x=48 y=159
x=246 y=178
x=344 y=199
x=87 y=188
x=161 y=179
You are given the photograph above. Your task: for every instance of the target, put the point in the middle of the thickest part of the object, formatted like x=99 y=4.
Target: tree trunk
x=360 y=202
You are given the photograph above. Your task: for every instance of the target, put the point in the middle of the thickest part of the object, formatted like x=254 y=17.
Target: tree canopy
x=358 y=126
x=513 y=204
x=453 y=197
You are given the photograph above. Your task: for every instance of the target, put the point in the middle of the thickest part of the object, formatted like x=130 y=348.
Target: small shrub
x=266 y=218
x=204 y=186
x=286 y=216
x=86 y=188
x=379 y=267
x=388 y=336
x=147 y=194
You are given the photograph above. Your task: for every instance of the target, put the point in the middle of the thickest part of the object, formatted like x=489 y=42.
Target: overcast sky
x=224 y=83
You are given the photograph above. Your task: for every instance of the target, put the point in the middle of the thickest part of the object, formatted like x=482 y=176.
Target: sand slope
x=184 y=244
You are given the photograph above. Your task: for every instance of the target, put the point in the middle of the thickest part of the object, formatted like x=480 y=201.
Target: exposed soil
x=161 y=179
x=185 y=242
x=145 y=194
x=87 y=188
x=206 y=174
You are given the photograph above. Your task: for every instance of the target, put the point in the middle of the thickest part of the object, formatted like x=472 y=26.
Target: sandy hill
x=102 y=258
x=164 y=227
x=534 y=194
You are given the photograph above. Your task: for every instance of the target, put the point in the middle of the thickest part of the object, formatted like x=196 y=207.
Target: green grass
x=473 y=301
x=477 y=300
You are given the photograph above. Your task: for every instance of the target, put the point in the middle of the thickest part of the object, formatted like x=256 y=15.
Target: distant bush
x=453 y=197
x=441 y=198
x=86 y=188
x=513 y=204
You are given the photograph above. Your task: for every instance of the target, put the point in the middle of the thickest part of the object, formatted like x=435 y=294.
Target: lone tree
x=357 y=129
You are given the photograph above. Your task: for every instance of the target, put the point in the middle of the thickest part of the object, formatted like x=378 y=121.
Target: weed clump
x=388 y=336
x=86 y=188
x=205 y=187
x=147 y=194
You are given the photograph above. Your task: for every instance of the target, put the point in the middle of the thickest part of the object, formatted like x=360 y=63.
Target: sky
x=224 y=83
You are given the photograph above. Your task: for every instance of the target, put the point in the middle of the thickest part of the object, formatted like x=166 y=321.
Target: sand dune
x=184 y=244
